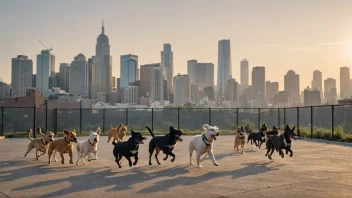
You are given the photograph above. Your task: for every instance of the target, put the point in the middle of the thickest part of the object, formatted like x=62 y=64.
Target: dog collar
x=67 y=142
x=41 y=139
x=91 y=143
x=207 y=143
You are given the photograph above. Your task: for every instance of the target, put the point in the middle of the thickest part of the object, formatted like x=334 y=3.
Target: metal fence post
x=178 y=117
x=299 y=133
x=55 y=121
x=2 y=121
x=152 y=119
x=237 y=119
x=311 y=122
x=34 y=119
x=258 y=119
x=46 y=119
x=284 y=116
x=332 y=121
x=126 y=116
x=104 y=120
x=278 y=118
x=209 y=116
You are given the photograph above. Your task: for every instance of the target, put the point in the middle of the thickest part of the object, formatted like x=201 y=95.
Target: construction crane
x=45 y=46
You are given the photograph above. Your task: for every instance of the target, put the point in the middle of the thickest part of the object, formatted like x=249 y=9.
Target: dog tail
x=29 y=134
x=150 y=131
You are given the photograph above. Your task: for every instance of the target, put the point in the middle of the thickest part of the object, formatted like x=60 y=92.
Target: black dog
x=279 y=142
x=274 y=131
x=164 y=143
x=128 y=148
x=258 y=137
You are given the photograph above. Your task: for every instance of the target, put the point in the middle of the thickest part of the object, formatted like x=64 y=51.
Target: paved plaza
x=317 y=169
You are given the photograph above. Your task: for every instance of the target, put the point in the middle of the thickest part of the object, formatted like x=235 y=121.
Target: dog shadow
x=122 y=180
x=249 y=169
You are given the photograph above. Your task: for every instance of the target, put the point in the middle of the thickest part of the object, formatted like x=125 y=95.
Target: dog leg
x=135 y=159
x=211 y=156
x=95 y=155
x=78 y=157
x=272 y=151
x=129 y=160
x=291 y=152
x=83 y=156
x=28 y=150
x=62 y=158
x=50 y=152
x=36 y=153
x=43 y=152
x=70 y=154
x=242 y=148
x=172 y=155
x=117 y=159
x=166 y=157
x=198 y=160
x=55 y=160
x=157 y=151
x=190 y=149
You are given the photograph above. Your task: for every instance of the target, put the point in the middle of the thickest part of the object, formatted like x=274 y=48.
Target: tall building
x=317 y=82
x=209 y=91
x=182 y=88
x=145 y=78
x=131 y=95
x=195 y=93
x=167 y=63
x=244 y=72
x=45 y=69
x=128 y=70
x=224 y=65
x=114 y=82
x=330 y=95
x=91 y=70
x=272 y=88
x=231 y=91
x=4 y=90
x=103 y=63
x=34 y=80
x=345 y=84
x=157 y=84
x=79 y=76
x=201 y=74
x=64 y=76
x=291 y=84
x=258 y=81
x=21 y=75
x=311 y=97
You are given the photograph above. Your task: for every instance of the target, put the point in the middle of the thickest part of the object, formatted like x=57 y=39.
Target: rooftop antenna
x=46 y=46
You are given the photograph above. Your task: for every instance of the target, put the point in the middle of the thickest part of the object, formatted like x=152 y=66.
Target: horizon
x=281 y=36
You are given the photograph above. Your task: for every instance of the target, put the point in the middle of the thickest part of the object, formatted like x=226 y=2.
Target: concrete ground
x=317 y=169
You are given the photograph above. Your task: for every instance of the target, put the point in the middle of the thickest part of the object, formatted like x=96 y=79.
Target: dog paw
x=71 y=162
x=164 y=158
x=216 y=164
x=291 y=155
x=172 y=160
x=62 y=162
x=191 y=163
x=130 y=165
x=134 y=163
x=89 y=160
x=55 y=160
x=77 y=164
x=199 y=166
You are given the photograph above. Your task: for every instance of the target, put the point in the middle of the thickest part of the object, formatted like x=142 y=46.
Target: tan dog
x=118 y=133
x=63 y=146
x=39 y=144
x=240 y=139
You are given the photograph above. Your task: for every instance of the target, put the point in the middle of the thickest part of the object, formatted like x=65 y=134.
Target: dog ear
x=241 y=127
x=205 y=126
x=74 y=132
x=110 y=126
x=132 y=132
x=98 y=131
x=172 y=128
x=90 y=132
x=66 y=131
x=293 y=128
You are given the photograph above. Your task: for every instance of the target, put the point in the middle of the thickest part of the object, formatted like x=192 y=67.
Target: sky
x=299 y=35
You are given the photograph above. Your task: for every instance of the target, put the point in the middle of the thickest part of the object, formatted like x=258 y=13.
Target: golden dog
x=118 y=133
x=240 y=139
x=39 y=144
x=63 y=146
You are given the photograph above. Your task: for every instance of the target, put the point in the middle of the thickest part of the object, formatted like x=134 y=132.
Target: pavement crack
x=4 y=194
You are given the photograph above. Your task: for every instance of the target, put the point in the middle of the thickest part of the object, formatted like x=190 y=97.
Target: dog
x=240 y=139
x=39 y=144
x=118 y=133
x=274 y=131
x=128 y=148
x=204 y=144
x=165 y=143
x=259 y=137
x=279 y=142
x=88 y=146
x=63 y=146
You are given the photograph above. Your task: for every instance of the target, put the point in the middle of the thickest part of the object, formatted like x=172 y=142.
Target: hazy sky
x=302 y=35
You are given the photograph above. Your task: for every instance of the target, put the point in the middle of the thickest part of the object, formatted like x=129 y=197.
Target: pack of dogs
x=201 y=144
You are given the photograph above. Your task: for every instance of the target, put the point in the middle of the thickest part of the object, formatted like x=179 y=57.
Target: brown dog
x=240 y=139
x=63 y=146
x=118 y=133
x=39 y=144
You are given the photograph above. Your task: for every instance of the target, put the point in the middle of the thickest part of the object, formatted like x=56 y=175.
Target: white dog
x=204 y=144
x=88 y=146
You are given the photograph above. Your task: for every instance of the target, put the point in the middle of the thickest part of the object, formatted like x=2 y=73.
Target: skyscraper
x=145 y=78
x=201 y=74
x=4 y=90
x=317 y=83
x=157 y=84
x=64 y=76
x=103 y=63
x=131 y=95
x=45 y=65
x=182 y=89
x=231 y=91
x=128 y=70
x=244 y=72
x=91 y=70
x=272 y=88
x=345 y=86
x=258 y=81
x=311 y=97
x=330 y=91
x=79 y=76
x=167 y=62
x=224 y=65
x=291 y=84
x=21 y=75
x=191 y=70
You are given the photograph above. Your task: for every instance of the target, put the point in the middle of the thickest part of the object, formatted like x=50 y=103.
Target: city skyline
x=276 y=51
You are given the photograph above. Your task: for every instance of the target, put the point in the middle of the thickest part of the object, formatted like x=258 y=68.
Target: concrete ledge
x=2 y=137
